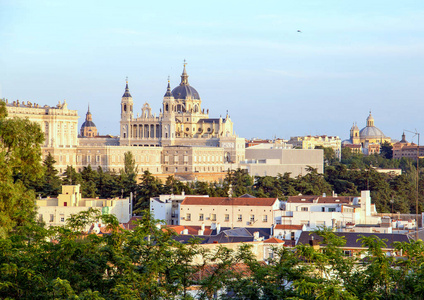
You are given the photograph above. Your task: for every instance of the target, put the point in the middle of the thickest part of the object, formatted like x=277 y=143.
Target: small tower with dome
x=88 y=128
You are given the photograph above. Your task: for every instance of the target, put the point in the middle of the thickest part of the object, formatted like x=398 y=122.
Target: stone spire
x=127 y=90
x=168 y=90
x=88 y=116
x=403 y=138
x=184 y=76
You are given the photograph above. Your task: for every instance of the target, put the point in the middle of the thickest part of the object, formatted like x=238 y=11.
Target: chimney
x=313 y=243
x=256 y=235
x=185 y=231
x=218 y=228
x=202 y=226
x=200 y=232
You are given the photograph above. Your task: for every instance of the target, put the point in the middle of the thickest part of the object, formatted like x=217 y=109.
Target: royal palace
x=182 y=140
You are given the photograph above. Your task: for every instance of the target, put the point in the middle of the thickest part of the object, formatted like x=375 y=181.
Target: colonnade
x=146 y=131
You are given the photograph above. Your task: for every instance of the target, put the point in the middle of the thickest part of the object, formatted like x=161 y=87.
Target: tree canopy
x=20 y=163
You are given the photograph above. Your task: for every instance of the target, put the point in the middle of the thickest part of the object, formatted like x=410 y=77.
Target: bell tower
x=126 y=115
x=168 y=121
x=354 y=134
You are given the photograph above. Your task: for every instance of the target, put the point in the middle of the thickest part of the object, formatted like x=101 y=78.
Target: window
x=188 y=217
x=304 y=209
x=252 y=218
x=51 y=217
x=200 y=217
x=62 y=218
x=331 y=209
x=213 y=217
x=239 y=218
x=265 y=218
x=40 y=217
x=304 y=222
x=227 y=218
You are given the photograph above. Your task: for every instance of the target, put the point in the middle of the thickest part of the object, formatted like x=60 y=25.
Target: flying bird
x=299 y=31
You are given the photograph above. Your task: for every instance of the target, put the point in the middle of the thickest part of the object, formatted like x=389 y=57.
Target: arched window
x=125 y=107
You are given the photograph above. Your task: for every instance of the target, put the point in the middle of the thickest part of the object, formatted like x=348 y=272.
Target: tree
x=71 y=176
x=329 y=154
x=129 y=175
x=88 y=186
x=51 y=181
x=20 y=163
x=149 y=187
x=386 y=150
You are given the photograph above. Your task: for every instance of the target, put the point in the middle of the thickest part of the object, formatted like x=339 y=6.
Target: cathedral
x=181 y=140
x=369 y=138
x=181 y=121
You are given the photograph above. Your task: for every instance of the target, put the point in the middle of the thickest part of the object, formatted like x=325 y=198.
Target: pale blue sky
x=247 y=57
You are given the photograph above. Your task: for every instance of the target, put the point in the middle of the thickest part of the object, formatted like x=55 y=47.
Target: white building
x=273 y=159
x=55 y=211
x=167 y=207
x=220 y=212
x=310 y=142
x=327 y=211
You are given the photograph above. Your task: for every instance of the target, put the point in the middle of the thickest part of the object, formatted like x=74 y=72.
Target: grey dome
x=371 y=132
x=88 y=124
x=185 y=92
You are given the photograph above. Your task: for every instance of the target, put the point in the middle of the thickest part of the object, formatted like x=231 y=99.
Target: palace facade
x=181 y=140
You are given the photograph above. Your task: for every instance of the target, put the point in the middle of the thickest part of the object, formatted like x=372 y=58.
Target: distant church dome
x=184 y=90
x=88 y=128
x=371 y=132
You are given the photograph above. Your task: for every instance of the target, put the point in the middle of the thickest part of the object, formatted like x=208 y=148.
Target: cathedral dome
x=184 y=90
x=371 y=132
x=88 y=124
x=88 y=128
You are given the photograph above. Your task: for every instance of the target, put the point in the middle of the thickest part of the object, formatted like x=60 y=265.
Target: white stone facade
x=55 y=211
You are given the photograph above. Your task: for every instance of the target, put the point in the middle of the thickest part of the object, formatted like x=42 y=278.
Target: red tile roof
x=273 y=241
x=132 y=223
x=289 y=227
x=229 y=201
x=192 y=230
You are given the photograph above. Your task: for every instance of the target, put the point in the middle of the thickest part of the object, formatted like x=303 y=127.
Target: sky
x=247 y=57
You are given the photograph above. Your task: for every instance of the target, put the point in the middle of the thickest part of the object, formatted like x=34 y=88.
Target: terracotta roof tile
x=273 y=241
x=192 y=230
x=229 y=201
x=289 y=227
